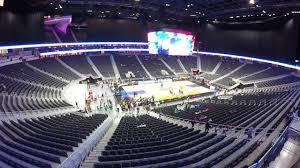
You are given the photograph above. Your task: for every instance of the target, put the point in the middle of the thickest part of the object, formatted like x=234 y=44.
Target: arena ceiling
x=195 y=11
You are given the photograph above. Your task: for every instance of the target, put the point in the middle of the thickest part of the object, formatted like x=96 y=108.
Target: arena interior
x=149 y=83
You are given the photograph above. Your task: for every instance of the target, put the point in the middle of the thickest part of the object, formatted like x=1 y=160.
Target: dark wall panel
x=121 y=30
x=21 y=28
x=116 y=30
x=277 y=40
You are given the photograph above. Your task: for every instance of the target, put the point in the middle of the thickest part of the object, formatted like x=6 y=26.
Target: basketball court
x=164 y=90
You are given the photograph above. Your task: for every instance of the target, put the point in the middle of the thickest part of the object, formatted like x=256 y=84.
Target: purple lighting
x=58 y=23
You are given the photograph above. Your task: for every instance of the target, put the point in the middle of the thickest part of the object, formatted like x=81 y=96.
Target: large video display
x=170 y=43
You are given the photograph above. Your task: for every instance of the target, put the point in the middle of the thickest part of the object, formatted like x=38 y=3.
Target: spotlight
x=252 y=2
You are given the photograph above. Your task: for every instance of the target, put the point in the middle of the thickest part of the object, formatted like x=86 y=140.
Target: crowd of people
x=105 y=104
x=129 y=104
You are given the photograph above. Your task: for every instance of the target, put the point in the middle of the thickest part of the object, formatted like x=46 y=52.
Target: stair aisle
x=97 y=151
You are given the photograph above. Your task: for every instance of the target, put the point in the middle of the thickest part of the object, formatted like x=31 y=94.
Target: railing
x=273 y=150
x=231 y=129
x=35 y=113
x=277 y=87
x=295 y=124
x=83 y=150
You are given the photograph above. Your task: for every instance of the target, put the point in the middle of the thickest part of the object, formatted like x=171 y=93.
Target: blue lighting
x=248 y=58
x=90 y=50
x=131 y=49
x=69 y=44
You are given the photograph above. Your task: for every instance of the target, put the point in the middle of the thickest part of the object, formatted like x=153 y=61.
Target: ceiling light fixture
x=252 y=2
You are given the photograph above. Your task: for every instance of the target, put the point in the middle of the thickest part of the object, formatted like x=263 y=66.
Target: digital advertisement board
x=171 y=43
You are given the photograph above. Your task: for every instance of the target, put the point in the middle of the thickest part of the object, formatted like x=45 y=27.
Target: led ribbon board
x=133 y=49
x=90 y=50
x=70 y=44
x=248 y=58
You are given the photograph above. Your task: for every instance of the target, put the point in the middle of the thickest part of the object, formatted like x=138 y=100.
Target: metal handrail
x=212 y=124
x=280 y=140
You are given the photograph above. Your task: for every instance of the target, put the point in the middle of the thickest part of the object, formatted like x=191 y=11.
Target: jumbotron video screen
x=171 y=43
